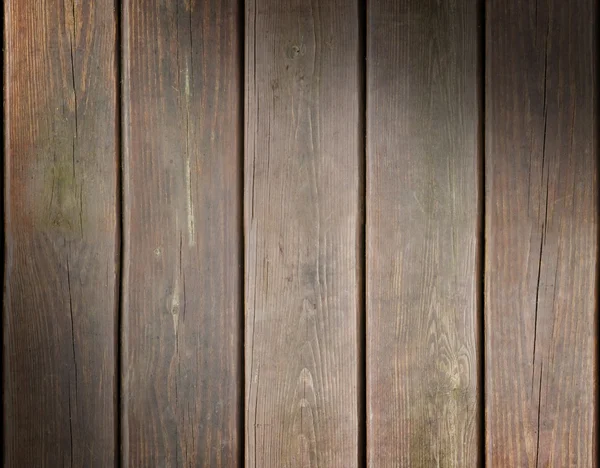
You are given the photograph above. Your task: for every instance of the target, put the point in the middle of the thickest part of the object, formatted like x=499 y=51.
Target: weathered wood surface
x=302 y=219
x=422 y=230
x=61 y=233
x=289 y=390
x=541 y=233
x=181 y=332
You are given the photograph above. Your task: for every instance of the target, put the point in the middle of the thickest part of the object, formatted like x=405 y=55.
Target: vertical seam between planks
x=481 y=201
x=241 y=19
x=3 y=186
x=362 y=208
x=120 y=230
x=596 y=146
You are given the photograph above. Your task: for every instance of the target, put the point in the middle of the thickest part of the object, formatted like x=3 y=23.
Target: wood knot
x=296 y=50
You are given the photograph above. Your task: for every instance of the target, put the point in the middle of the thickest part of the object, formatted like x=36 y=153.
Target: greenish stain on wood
x=65 y=195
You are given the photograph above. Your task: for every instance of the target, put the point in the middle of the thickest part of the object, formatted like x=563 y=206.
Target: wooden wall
x=311 y=233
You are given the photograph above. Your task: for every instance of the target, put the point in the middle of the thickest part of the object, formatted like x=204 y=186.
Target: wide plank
x=182 y=120
x=61 y=233
x=541 y=233
x=302 y=219
x=422 y=233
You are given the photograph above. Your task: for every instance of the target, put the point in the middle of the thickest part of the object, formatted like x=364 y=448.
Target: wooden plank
x=541 y=233
x=302 y=233
x=61 y=244
x=182 y=278
x=422 y=233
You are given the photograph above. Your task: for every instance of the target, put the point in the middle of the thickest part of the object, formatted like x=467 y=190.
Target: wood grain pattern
x=541 y=231
x=182 y=298
x=422 y=233
x=61 y=238
x=302 y=233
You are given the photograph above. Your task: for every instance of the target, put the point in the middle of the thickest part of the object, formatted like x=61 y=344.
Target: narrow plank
x=422 y=233
x=182 y=223
x=61 y=244
x=541 y=233
x=302 y=233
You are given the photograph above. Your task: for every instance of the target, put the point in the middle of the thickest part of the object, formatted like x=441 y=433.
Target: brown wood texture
x=182 y=311
x=302 y=220
x=61 y=235
x=422 y=233
x=541 y=233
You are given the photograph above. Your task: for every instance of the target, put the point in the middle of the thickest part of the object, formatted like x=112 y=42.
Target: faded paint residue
x=190 y=204
x=188 y=149
x=186 y=83
x=174 y=304
x=65 y=206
